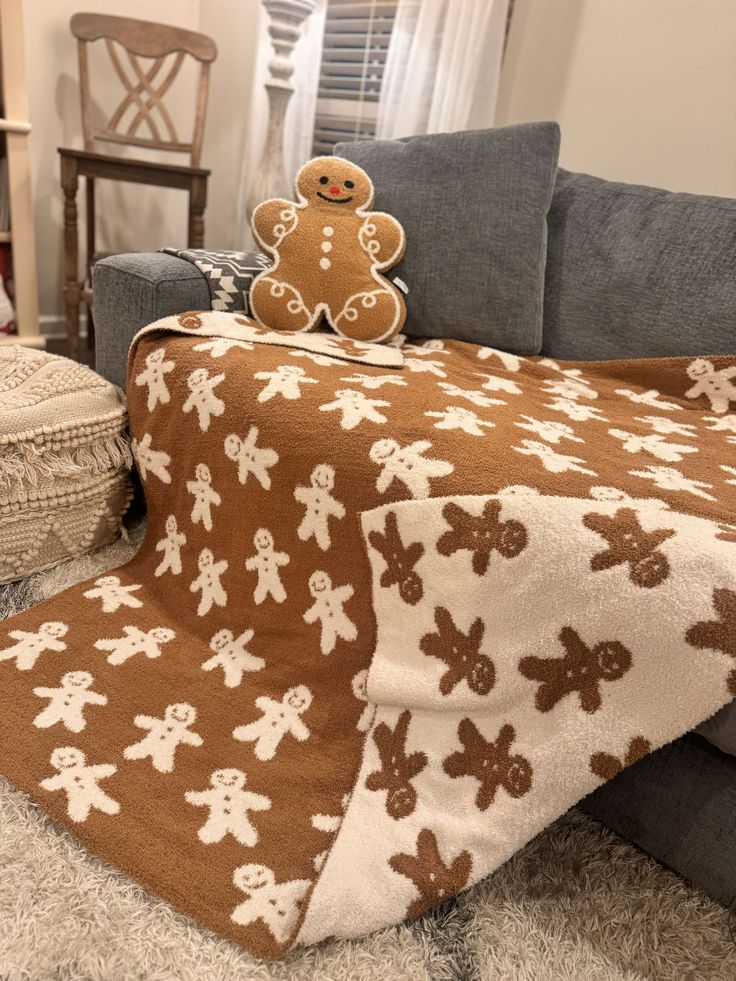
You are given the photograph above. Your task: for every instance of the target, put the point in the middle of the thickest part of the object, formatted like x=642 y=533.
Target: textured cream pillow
x=64 y=460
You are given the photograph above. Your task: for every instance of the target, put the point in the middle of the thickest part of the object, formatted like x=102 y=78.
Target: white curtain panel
x=443 y=65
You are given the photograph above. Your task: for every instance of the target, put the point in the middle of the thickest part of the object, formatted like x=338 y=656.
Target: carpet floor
x=576 y=904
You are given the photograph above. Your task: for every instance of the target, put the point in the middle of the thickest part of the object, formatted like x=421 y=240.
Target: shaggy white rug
x=577 y=904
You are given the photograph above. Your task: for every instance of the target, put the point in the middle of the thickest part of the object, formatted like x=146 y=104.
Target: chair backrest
x=141 y=119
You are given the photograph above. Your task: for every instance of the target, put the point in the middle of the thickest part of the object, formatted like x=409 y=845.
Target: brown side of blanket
x=155 y=832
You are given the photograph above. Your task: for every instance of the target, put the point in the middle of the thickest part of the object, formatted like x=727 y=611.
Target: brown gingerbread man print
x=461 y=652
x=720 y=634
x=397 y=768
x=629 y=544
x=481 y=535
x=581 y=669
x=191 y=319
x=400 y=560
x=329 y=250
x=606 y=765
x=433 y=878
x=726 y=533
x=490 y=764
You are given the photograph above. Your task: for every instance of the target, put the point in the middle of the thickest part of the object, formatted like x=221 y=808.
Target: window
x=357 y=34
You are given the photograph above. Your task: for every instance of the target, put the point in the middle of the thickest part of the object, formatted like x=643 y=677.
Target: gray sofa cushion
x=678 y=804
x=474 y=208
x=638 y=272
x=132 y=290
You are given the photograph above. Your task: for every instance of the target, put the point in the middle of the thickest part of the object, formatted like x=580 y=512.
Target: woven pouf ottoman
x=64 y=461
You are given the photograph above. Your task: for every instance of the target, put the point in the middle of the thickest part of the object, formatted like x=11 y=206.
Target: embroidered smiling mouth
x=334 y=200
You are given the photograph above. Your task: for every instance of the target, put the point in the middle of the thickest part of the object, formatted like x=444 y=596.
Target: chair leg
x=197 y=202
x=69 y=180
x=90 y=199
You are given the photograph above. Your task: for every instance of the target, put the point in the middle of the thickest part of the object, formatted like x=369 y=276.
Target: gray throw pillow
x=474 y=207
x=637 y=272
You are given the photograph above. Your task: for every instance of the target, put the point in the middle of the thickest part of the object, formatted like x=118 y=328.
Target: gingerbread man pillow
x=329 y=251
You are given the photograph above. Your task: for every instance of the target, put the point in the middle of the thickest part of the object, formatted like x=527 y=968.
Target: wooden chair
x=140 y=120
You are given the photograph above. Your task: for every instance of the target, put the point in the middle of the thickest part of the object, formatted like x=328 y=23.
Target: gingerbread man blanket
x=396 y=610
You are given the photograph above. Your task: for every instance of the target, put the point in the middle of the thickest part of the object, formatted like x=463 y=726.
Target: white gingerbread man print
x=329 y=824
x=511 y=362
x=550 y=431
x=552 y=461
x=276 y=904
x=717 y=386
x=205 y=496
x=569 y=388
x=427 y=366
x=650 y=397
x=360 y=690
x=231 y=654
x=653 y=443
x=66 y=703
x=171 y=545
x=725 y=424
x=614 y=495
x=728 y=470
x=575 y=410
x=408 y=465
x=493 y=383
x=220 y=346
x=149 y=460
x=135 y=641
x=164 y=735
x=320 y=506
x=668 y=427
x=356 y=407
x=154 y=376
x=208 y=582
x=267 y=562
x=29 y=646
x=250 y=457
x=372 y=382
x=317 y=358
x=202 y=397
x=457 y=417
x=113 y=594
x=228 y=805
x=477 y=398
x=668 y=478
x=327 y=609
x=80 y=783
x=285 y=381
x=278 y=719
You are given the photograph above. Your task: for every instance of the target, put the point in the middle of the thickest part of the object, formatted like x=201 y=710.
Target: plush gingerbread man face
x=330 y=181
x=329 y=252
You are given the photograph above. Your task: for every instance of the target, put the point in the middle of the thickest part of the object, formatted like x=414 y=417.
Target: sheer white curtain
x=443 y=67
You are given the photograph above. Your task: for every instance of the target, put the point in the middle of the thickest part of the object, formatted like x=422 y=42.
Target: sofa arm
x=133 y=290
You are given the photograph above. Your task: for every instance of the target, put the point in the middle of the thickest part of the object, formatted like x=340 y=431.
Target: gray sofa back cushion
x=638 y=272
x=474 y=207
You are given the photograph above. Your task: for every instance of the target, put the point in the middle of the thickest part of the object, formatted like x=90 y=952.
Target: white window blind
x=357 y=34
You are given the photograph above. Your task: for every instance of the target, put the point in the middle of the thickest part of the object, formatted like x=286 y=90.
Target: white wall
x=644 y=90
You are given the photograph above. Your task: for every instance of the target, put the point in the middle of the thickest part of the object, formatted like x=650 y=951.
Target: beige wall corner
x=644 y=90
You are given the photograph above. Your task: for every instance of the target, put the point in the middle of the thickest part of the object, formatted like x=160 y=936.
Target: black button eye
x=324 y=180
x=349 y=185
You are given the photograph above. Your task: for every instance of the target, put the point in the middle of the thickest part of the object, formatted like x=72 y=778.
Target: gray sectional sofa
x=630 y=272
